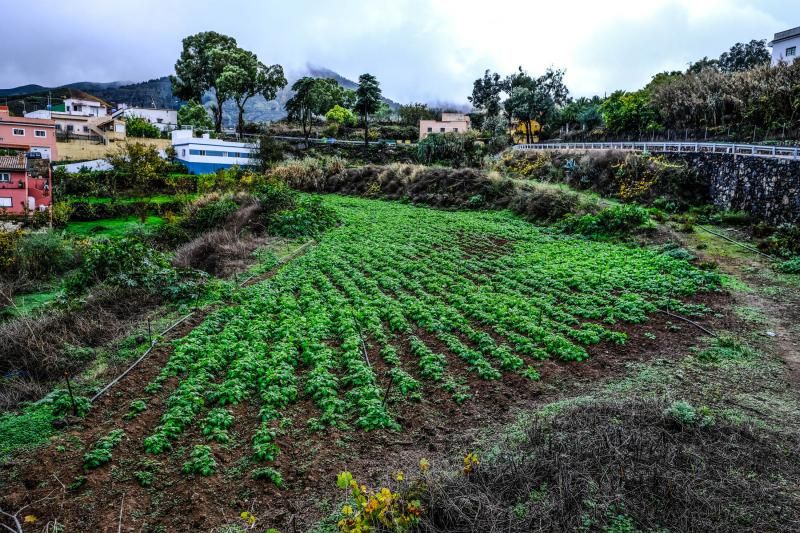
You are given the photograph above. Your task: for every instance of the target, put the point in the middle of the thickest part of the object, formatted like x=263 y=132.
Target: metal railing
x=715 y=148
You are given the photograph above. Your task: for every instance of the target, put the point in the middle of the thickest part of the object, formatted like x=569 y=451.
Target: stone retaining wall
x=767 y=188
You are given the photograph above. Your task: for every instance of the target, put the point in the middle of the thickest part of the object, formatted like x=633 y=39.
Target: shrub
x=44 y=254
x=128 y=262
x=452 y=149
x=792 y=266
x=8 y=250
x=62 y=212
x=216 y=252
x=784 y=242
x=140 y=127
x=613 y=221
x=310 y=217
x=276 y=196
x=209 y=212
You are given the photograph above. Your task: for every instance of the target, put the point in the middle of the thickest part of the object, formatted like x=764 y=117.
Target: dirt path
x=773 y=301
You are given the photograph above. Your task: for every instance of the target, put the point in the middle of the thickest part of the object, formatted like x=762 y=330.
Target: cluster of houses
x=29 y=143
x=91 y=118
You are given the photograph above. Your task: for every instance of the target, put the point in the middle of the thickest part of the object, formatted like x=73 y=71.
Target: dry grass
x=36 y=347
x=218 y=252
x=611 y=465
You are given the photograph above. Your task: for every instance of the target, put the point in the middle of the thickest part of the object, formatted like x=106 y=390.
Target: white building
x=85 y=108
x=163 y=119
x=205 y=155
x=80 y=117
x=785 y=46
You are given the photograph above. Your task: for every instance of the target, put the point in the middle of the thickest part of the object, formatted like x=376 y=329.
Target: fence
x=716 y=148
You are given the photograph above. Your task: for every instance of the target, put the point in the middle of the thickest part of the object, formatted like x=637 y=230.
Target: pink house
x=30 y=134
x=25 y=185
x=25 y=178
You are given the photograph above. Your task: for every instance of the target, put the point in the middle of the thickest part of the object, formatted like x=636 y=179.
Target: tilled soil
x=53 y=481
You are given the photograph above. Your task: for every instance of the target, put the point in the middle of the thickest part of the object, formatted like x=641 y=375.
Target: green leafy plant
x=101 y=453
x=269 y=474
x=201 y=462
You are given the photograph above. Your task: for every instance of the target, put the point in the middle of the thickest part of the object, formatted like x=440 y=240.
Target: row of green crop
x=417 y=289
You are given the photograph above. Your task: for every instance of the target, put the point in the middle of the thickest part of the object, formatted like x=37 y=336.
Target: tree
x=199 y=67
x=411 y=114
x=626 y=111
x=745 y=56
x=368 y=100
x=138 y=164
x=702 y=64
x=140 y=127
x=338 y=115
x=266 y=152
x=195 y=115
x=244 y=76
x=312 y=96
x=535 y=99
x=486 y=93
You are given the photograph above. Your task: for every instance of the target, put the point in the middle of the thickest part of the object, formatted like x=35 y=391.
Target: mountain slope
x=158 y=93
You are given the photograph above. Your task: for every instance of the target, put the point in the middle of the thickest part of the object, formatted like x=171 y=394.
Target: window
x=58 y=127
x=19 y=132
x=215 y=153
x=791 y=51
x=160 y=120
x=197 y=152
x=455 y=130
x=183 y=152
x=70 y=127
x=40 y=133
x=441 y=130
x=5 y=202
x=430 y=130
x=86 y=129
x=5 y=177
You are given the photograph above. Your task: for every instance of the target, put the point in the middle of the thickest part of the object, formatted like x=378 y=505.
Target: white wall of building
x=163 y=119
x=86 y=108
x=786 y=46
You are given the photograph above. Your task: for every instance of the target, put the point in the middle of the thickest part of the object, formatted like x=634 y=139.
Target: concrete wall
x=767 y=188
x=81 y=150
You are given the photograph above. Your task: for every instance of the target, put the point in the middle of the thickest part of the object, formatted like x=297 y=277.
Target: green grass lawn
x=24 y=304
x=110 y=227
x=155 y=199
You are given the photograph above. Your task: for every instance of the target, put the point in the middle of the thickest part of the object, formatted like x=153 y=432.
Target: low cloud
x=420 y=51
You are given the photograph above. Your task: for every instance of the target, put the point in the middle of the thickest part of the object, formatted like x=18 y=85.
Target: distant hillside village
x=207 y=132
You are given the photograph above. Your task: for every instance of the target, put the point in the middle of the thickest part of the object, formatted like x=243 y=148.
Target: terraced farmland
x=398 y=328
x=485 y=288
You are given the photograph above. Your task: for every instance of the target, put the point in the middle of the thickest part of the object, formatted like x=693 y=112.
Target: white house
x=163 y=119
x=81 y=117
x=86 y=108
x=204 y=155
x=785 y=46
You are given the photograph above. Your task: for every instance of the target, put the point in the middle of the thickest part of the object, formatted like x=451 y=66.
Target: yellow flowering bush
x=376 y=509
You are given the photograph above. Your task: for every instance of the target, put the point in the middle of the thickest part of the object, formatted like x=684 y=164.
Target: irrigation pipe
x=173 y=326
x=692 y=322
x=736 y=242
x=282 y=261
x=141 y=358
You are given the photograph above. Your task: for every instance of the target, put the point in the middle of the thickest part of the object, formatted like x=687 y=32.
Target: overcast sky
x=420 y=50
